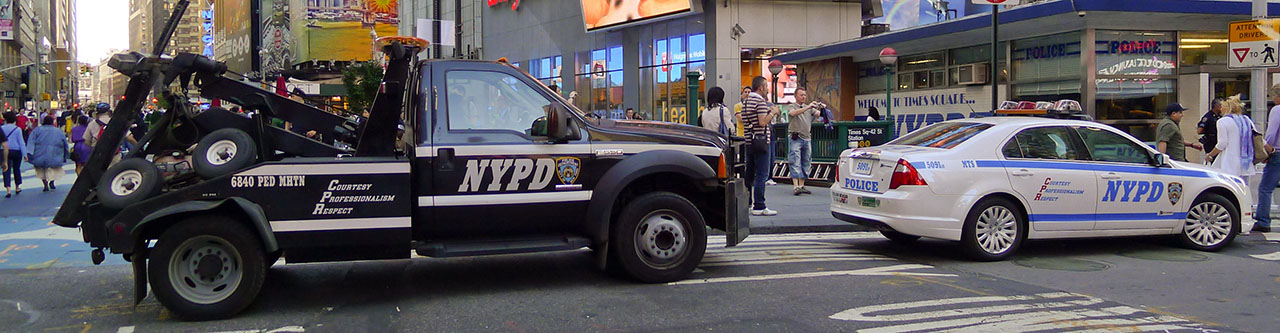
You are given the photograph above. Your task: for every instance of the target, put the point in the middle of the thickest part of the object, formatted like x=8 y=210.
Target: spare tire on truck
x=224 y=151
x=128 y=182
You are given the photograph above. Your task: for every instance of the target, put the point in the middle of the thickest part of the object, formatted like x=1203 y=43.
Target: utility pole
x=1258 y=76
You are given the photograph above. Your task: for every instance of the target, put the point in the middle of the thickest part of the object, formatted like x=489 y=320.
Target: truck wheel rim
x=1207 y=224
x=205 y=269
x=125 y=183
x=661 y=239
x=221 y=152
x=997 y=228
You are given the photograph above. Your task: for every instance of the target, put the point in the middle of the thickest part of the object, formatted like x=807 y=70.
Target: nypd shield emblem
x=1175 y=193
x=567 y=169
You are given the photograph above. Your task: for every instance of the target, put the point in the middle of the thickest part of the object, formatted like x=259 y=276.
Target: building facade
x=1124 y=61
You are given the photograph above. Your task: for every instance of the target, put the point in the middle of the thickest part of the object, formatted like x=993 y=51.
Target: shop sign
x=996 y=2
x=206 y=17
x=1253 y=44
x=915 y=109
x=1135 y=47
x=1050 y=51
x=514 y=3
x=1151 y=65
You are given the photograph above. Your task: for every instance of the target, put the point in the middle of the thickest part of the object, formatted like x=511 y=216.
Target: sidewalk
x=804 y=213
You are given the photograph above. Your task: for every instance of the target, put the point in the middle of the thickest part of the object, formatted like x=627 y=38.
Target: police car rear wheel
x=207 y=268
x=993 y=230
x=659 y=237
x=128 y=182
x=1211 y=223
x=898 y=237
x=224 y=151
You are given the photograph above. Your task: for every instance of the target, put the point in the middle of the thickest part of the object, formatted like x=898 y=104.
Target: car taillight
x=905 y=174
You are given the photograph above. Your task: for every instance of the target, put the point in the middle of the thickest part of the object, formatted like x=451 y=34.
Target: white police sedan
x=992 y=183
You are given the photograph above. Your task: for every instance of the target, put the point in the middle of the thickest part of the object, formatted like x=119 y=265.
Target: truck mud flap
x=737 y=216
x=139 y=260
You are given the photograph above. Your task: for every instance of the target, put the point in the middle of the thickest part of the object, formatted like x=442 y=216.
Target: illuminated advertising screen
x=6 y=19
x=339 y=29
x=597 y=14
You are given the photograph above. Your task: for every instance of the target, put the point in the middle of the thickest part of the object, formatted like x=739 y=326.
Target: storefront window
x=1136 y=79
x=870 y=76
x=547 y=70
x=1203 y=48
x=673 y=58
x=1049 y=58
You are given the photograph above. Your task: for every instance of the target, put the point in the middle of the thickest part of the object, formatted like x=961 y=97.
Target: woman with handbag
x=1235 y=151
x=718 y=117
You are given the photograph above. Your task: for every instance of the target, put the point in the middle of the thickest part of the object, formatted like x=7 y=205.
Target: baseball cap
x=1174 y=107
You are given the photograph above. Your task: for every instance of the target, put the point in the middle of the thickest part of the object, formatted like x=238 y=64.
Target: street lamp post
x=888 y=57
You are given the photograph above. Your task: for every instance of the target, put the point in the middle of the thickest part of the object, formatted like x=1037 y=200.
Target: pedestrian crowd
x=50 y=139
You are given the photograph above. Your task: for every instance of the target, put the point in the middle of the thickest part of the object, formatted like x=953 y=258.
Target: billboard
x=6 y=20
x=340 y=29
x=277 y=40
x=232 y=34
x=597 y=14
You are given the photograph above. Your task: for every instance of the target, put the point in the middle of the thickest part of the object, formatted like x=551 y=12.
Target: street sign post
x=995 y=45
x=1254 y=44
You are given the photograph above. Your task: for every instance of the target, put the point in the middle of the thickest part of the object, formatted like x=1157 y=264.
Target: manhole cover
x=1166 y=255
x=1062 y=264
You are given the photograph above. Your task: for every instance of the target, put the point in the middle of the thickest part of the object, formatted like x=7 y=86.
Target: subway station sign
x=1254 y=44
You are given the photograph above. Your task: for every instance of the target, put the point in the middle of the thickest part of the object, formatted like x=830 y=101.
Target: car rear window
x=942 y=135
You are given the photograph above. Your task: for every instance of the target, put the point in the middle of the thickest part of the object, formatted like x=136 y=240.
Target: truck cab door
x=494 y=173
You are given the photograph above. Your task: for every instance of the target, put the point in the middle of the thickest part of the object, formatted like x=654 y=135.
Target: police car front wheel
x=207 y=268
x=1211 y=223
x=659 y=237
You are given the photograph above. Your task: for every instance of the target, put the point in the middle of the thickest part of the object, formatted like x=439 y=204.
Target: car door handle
x=444 y=159
x=1110 y=175
x=1023 y=173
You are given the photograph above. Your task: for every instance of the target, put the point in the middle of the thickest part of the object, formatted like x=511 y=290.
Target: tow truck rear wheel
x=128 y=182
x=207 y=268
x=224 y=151
x=659 y=237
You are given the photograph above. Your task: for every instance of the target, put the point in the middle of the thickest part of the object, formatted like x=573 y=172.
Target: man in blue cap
x=1169 y=136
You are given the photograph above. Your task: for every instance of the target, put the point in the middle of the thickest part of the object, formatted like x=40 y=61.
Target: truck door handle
x=444 y=159
x=1110 y=175
x=1023 y=173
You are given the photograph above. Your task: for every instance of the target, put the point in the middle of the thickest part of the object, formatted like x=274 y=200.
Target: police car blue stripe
x=1107 y=217
x=1093 y=167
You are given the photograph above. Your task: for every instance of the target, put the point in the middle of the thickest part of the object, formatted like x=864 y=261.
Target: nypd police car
x=993 y=183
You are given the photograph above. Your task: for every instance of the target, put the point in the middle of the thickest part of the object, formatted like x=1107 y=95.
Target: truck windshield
x=942 y=135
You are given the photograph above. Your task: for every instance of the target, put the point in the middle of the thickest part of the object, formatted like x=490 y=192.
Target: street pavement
x=830 y=281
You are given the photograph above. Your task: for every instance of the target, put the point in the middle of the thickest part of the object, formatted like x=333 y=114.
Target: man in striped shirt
x=756 y=117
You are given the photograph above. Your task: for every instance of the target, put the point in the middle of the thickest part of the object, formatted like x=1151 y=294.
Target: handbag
x=1260 y=153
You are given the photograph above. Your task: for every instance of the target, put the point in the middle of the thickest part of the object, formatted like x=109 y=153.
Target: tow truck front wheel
x=207 y=268
x=659 y=237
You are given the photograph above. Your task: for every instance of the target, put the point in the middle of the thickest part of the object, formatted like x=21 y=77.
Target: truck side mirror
x=1160 y=160
x=539 y=127
x=559 y=126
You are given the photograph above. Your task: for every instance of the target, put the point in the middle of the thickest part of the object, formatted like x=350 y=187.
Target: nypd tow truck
x=992 y=183
x=489 y=162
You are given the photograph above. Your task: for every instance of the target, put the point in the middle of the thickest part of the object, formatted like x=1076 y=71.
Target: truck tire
x=658 y=237
x=128 y=182
x=207 y=267
x=224 y=151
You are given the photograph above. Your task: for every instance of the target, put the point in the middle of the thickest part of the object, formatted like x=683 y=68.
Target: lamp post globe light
x=888 y=57
x=775 y=67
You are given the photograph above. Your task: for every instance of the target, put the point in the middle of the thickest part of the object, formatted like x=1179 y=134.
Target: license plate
x=869 y=202
x=863 y=168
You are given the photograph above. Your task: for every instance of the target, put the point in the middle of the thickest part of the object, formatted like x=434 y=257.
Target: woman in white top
x=1234 y=152
x=717 y=114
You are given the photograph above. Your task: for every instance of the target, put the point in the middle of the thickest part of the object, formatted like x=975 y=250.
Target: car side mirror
x=1160 y=160
x=539 y=127
x=559 y=125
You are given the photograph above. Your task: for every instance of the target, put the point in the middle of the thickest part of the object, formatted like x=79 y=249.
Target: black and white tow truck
x=489 y=162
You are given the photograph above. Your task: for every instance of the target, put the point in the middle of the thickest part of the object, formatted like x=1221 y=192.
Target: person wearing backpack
x=718 y=117
x=13 y=134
